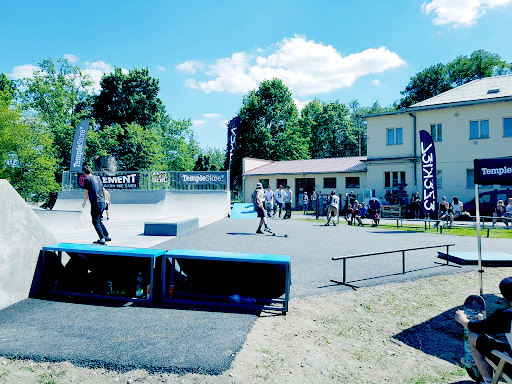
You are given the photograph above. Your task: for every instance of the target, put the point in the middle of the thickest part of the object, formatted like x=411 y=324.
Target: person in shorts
x=481 y=344
x=332 y=210
x=258 y=197
x=108 y=202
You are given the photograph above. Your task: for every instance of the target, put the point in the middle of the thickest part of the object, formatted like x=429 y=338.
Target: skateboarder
x=481 y=344
x=334 y=203
x=95 y=192
x=257 y=199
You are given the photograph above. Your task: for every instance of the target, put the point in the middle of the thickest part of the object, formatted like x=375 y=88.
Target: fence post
x=344 y=269
x=403 y=262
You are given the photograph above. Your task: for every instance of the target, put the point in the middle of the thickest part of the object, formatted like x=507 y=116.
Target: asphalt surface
x=201 y=340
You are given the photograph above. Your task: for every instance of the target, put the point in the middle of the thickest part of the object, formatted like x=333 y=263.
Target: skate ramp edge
x=22 y=236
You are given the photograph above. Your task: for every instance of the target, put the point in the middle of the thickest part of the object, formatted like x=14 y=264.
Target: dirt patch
x=395 y=333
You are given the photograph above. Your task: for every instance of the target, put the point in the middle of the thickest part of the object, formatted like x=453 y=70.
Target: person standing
x=257 y=198
x=108 y=202
x=312 y=202
x=95 y=192
x=279 y=199
x=288 y=203
x=332 y=210
x=269 y=201
x=416 y=204
x=305 y=202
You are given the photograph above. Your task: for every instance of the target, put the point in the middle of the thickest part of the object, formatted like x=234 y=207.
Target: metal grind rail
x=344 y=258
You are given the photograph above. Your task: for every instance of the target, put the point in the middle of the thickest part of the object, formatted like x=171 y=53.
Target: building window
x=352 y=182
x=436 y=131
x=470 y=178
x=394 y=179
x=329 y=182
x=507 y=127
x=283 y=182
x=264 y=182
x=439 y=179
x=479 y=129
x=394 y=136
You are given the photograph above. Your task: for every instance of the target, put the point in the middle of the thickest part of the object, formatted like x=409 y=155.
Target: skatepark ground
x=206 y=341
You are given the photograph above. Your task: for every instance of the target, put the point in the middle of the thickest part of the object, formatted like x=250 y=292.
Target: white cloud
x=190 y=66
x=375 y=82
x=460 y=12
x=160 y=68
x=211 y=115
x=300 y=104
x=22 y=71
x=71 y=58
x=307 y=67
x=198 y=122
x=96 y=70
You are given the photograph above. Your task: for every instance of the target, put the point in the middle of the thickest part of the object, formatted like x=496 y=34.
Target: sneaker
x=99 y=242
x=108 y=239
x=326 y=224
x=334 y=224
x=267 y=229
x=259 y=230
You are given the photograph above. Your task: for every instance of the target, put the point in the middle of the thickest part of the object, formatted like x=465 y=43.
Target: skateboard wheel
x=273 y=234
x=285 y=235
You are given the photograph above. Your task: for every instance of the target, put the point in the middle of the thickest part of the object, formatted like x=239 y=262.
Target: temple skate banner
x=232 y=133
x=493 y=171
x=198 y=178
x=77 y=151
x=428 y=173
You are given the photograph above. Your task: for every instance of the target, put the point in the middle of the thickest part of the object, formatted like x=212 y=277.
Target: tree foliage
x=127 y=98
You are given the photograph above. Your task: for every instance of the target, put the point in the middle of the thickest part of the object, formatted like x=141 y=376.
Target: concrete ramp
x=22 y=236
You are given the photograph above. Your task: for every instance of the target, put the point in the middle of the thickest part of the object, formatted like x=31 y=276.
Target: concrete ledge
x=170 y=226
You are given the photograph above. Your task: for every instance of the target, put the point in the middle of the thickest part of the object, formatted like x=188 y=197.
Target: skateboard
x=474 y=308
x=278 y=234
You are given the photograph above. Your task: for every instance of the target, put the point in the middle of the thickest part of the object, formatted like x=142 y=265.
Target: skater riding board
x=474 y=308
x=108 y=261
x=212 y=272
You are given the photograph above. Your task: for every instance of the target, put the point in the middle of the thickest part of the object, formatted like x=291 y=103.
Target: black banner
x=77 y=151
x=232 y=134
x=493 y=171
x=130 y=181
x=428 y=173
x=198 y=178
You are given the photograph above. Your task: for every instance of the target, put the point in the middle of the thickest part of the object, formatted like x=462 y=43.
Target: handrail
x=344 y=258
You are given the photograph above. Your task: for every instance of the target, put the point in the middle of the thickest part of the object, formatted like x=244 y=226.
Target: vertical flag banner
x=232 y=133
x=428 y=173
x=77 y=152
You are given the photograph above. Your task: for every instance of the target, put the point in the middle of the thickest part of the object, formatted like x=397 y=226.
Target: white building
x=468 y=122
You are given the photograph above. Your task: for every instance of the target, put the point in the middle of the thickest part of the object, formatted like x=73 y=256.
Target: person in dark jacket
x=95 y=192
x=481 y=344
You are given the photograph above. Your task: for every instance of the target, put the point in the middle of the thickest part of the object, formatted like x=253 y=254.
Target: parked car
x=488 y=201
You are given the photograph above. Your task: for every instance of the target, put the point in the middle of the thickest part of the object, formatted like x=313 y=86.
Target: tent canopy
x=493 y=171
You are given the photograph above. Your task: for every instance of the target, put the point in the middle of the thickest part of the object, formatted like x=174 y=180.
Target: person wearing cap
x=258 y=197
x=334 y=203
x=288 y=203
x=481 y=344
x=279 y=198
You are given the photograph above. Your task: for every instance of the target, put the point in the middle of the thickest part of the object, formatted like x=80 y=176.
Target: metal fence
x=152 y=180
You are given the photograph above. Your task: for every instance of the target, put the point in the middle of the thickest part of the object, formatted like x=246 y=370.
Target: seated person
x=456 y=209
x=481 y=344
x=499 y=212
x=443 y=211
x=349 y=214
x=508 y=210
x=363 y=211
x=357 y=213
x=374 y=211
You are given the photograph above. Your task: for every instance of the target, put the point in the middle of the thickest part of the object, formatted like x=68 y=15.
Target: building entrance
x=301 y=186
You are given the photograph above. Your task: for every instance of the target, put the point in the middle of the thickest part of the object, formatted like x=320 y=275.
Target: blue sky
x=208 y=55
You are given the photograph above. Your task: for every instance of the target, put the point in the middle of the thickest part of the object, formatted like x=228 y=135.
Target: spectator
x=416 y=205
x=456 y=209
x=363 y=211
x=351 y=197
x=305 y=202
x=389 y=197
x=357 y=213
x=312 y=201
x=374 y=211
x=279 y=196
x=499 y=212
x=349 y=212
x=269 y=201
x=508 y=210
x=443 y=211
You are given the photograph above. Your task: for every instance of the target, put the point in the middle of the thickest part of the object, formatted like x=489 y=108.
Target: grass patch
x=4 y=373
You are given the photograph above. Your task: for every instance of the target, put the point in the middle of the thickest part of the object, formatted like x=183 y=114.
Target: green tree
x=216 y=158
x=425 y=84
x=128 y=98
x=25 y=150
x=480 y=64
x=53 y=94
x=269 y=127
x=179 y=145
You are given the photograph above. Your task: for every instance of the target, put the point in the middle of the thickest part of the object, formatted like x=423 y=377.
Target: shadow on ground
x=442 y=336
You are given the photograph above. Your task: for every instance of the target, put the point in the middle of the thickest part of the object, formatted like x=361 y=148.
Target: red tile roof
x=330 y=165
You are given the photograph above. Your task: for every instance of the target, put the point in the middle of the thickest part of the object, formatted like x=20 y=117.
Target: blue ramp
x=243 y=211
x=489 y=259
